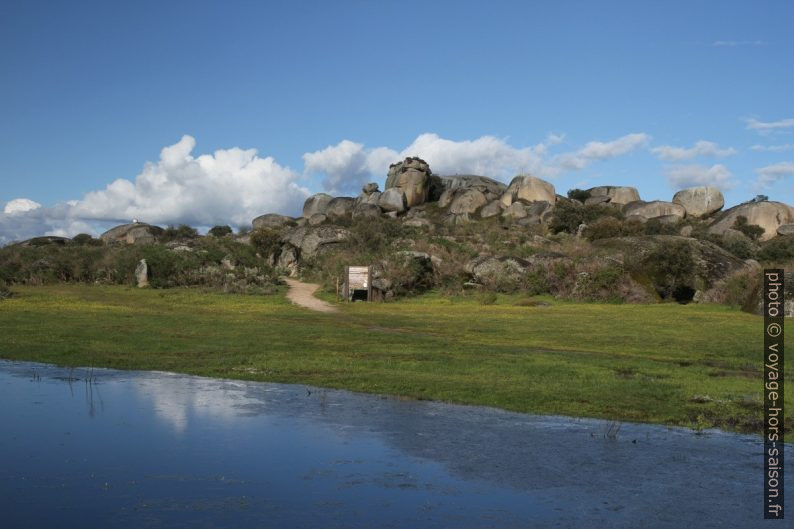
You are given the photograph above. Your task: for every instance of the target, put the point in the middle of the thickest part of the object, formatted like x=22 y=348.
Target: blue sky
x=329 y=93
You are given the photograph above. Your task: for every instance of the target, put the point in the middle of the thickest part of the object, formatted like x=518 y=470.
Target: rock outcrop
x=620 y=195
x=700 y=201
x=316 y=204
x=393 y=199
x=312 y=240
x=412 y=176
x=272 y=221
x=769 y=215
x=366 y=211
x=528 y=189
x=654 y=209
x=468 y=202
x=340 y=207
x=135 y=233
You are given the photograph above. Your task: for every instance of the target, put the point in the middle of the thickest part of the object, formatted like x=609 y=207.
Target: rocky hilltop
x=473 y=233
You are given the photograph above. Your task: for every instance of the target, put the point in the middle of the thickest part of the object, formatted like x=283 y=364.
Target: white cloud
x=597 y=150
x=683 y=176
x=486 y=155
x=348 y=165
x=766 y=127
x=770 y=174
x=230 y=186
x=773 y=148
x=701 y=148
x=20 y=205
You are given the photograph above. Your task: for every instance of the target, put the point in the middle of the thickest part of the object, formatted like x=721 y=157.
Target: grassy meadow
x=691 y=365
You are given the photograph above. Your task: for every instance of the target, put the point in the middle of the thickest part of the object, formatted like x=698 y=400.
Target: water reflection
x=157 y=449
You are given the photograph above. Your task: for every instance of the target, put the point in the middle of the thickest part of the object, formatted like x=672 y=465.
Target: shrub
x=740 y=247
x=220 y=231
x=672 y=269
x=567 y=216
x=604 y=228
x=751 y=230
x=578 y=194
x=183 y=231
x=656 y=227
x=84 y=239
x=266 y=241
x=780 y=248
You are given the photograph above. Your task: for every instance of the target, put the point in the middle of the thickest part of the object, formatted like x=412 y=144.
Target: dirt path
x=302 y=294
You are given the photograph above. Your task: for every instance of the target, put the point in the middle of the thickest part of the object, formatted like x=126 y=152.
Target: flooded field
x=99 y=448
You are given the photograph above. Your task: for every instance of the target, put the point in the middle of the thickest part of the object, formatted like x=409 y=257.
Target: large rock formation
x=369 y=194
x=487 y=186
x=614 y=194
x=528 y=189
x=366 y=211
x=340 y=207
x=272 y=221
x=700 y=201
x=312 y=240
x=654 y=209
x=769 y=215
x=135 y=233
x=412 y=176
x=468 y=202
x=316 y=204
x=393 y=199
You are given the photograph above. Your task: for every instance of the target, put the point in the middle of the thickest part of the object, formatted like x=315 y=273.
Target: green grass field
x=692 y=365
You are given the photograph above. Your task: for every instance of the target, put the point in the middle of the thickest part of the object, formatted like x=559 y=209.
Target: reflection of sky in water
x=156 y=449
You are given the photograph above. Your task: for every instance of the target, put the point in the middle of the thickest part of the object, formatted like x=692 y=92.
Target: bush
x=84 y=239
x=741 y=248
x=266 y=241
x=657 y=227
x=751 y=230
x=578 y=194
x=780 y=248
x=672 y=269
x=181 y=232
x=567 y=216
x=220 y=231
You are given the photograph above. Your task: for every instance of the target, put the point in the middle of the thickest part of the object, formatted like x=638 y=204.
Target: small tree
x=266 y=241
x=578 y=194
x=220 y=231
x=183 y=231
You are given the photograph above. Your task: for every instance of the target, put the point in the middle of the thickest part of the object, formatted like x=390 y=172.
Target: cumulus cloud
x=230 y=186
x=773 y=148
x=766 y=127
x=701 y=148
x=598 y=150
x=348 y=164
x=682 y=176
x=768 y=175
x=20 y=205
